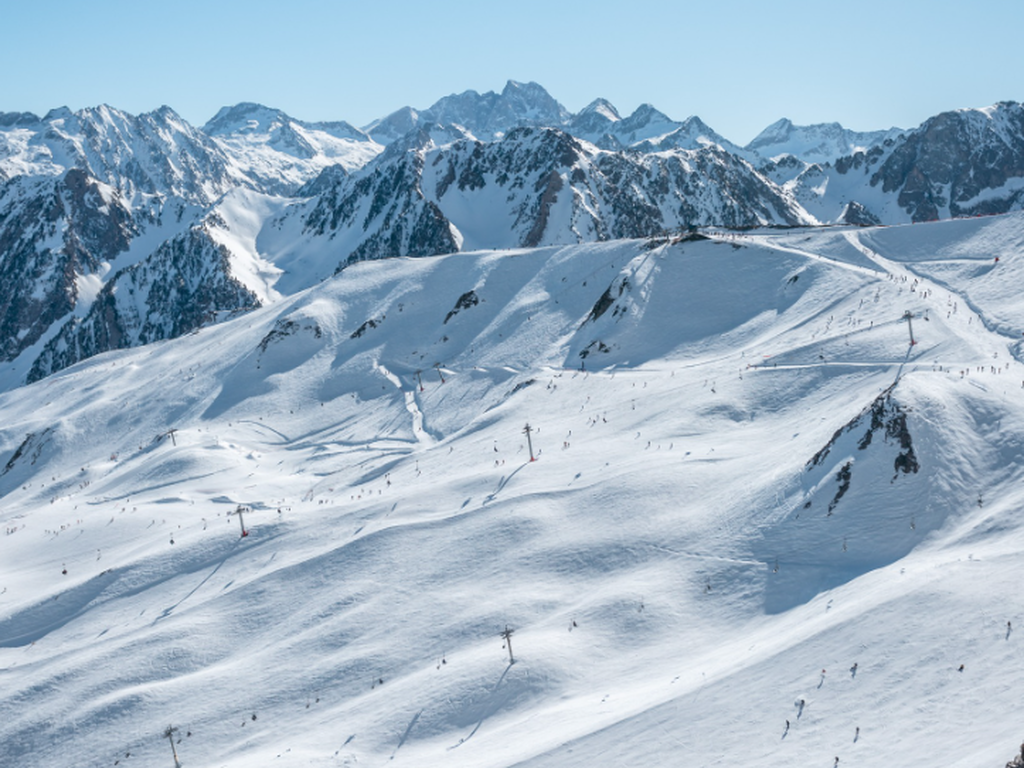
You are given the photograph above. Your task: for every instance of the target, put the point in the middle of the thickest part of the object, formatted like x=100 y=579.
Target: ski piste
x=756 y=477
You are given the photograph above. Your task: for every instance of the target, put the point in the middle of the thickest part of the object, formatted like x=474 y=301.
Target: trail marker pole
x=526 y=431
x=908 y=316
x=169 y=735
x=171 y=433
x=241 y=521
x=419 y=380
x=507 y=634
x=438 y=367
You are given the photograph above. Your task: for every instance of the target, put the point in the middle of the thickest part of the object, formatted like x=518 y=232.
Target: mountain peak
x=514 y=86
x=643 y=116
x=777 y=131
x=11 y=119
x=601 y=107
x=242 y=116
x=60 y=113
x=484 y=115
x=817 y=143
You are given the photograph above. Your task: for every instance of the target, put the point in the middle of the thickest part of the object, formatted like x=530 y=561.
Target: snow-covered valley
x=762 y=527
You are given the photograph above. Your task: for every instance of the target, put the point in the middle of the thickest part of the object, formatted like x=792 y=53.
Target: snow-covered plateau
x=762 y=528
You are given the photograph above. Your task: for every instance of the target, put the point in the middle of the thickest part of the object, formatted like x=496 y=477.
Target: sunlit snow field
x=684 y=568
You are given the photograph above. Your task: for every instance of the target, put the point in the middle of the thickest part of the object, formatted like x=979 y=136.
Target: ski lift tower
x=909 y=316
x=507 y=635
x=526 y=431
x=241 y=521
x=169 y=735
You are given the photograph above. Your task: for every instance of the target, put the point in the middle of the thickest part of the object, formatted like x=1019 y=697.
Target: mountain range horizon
x=598 y=105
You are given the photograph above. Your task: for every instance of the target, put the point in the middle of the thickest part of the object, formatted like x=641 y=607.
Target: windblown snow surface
x=754 y=501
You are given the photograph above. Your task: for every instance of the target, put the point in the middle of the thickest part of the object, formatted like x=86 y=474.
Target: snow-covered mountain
x=535 y=186
x=260 y=205
x=486 y=116
x=154 y=154
x=282 y=153
x=762 y=528
x=961 y=163
x=54 y=234
x=822 y=143
x=490 y=116
x=90 y=193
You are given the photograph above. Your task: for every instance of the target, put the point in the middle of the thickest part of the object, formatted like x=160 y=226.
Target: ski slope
x=707 y=538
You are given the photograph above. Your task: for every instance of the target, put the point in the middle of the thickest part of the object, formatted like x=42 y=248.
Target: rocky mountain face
x=181 y=286
x=157 y=154
x=486 y=116
x=90 y=192
x=54 y=232
x=107 y=236
x=962 y=163
x=536 y=186
x=822 y=143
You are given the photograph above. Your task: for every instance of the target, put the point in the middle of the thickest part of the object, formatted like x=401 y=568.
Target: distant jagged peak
x=535 y=98
x=244 y=116
x=58 y=113
x=703 y=134
x=489 y=114
x=603 y=108
x=484 y=115
x=778 y=130
x=514 y=86
x=425 y=137
x=250 y=118
x=168 y=116
x=386 y=129
x=104 y=116
x=815 y=143
x=1004 y=118
x=644 y=115
x=693 y=122
x=992 y=111
x=15 y=119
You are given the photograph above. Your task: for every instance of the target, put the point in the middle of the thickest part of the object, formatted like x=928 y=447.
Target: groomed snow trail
x=423 y=437
x=961 y=315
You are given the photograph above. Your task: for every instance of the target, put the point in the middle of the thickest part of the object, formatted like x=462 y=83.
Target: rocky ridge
x=97 y=201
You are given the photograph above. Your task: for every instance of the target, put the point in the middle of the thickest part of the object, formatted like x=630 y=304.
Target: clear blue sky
x=738 y=64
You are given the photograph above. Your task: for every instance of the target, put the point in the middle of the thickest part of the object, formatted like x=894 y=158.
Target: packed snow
x=762 y=527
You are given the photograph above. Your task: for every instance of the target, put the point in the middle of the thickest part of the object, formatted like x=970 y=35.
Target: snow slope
x=822 y=143
x=709 y=544
x=282 y=153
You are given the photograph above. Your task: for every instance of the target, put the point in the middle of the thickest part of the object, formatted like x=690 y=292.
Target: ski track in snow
x=993 y=343
x=423 y=437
